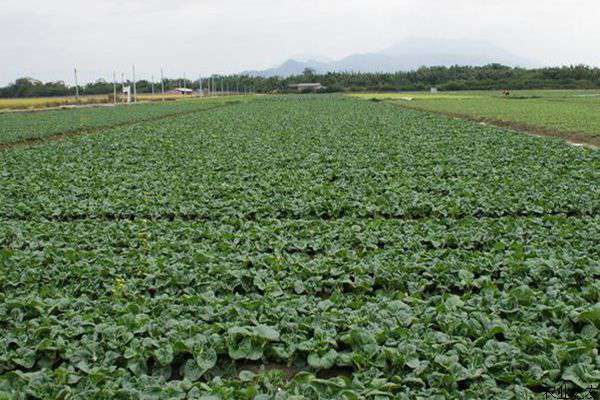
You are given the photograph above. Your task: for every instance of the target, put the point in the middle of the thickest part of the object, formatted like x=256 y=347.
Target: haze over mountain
x=406 y=55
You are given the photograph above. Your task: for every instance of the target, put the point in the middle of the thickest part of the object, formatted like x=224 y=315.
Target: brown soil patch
x=258 y=367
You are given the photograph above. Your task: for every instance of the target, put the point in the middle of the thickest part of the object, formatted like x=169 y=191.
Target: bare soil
x=258 y=367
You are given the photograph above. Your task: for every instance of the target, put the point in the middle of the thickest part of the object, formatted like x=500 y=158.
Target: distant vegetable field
x=571 y=114
x=299 y=247
x=20 y=126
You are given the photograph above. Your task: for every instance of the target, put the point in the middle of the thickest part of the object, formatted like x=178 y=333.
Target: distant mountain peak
x=408 y=54
x=475 y=51
x=308 y=57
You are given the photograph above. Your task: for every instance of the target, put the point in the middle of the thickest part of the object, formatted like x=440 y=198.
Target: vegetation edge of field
x=574 y=138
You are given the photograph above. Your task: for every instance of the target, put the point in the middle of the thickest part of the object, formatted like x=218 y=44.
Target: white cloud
x=46 y=39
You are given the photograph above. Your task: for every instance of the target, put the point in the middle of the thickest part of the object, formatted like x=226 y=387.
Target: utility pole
x=162 y=84
x=122 y=82
x=200 y=92
x=114 y=87
x=76 y=85
x=134 y=85
x=153 y=85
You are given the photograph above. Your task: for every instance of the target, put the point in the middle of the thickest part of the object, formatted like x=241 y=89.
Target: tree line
x=489 y=77
x=30 y=87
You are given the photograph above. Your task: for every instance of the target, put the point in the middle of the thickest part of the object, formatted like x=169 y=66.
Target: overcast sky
x=46 y=39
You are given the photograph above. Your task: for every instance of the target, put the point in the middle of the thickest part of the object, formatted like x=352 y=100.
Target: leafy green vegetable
x=299 y=247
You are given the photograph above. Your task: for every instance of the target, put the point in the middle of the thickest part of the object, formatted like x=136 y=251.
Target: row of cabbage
x=479 y=307
x=21 y=126
x=319 y=158
x=299 y=248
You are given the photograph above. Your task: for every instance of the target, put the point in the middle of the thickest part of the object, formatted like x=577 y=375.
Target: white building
x=303 y=87
x=181 y=91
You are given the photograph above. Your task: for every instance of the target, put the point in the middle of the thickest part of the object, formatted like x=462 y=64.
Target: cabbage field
x=299 y=247
x=31 y=126
x=573 y=115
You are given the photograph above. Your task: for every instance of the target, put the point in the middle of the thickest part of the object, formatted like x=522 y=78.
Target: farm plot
x=23 y=126
x=570 y=114
x=299 y=247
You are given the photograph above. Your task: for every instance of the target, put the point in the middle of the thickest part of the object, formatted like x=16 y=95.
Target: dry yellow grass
x=44 y=102
x=48 y=102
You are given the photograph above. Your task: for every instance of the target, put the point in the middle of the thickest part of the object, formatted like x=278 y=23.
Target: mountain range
x=406 y=55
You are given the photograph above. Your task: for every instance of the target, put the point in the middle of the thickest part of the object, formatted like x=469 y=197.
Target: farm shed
x=301 y=87
x=181 y=91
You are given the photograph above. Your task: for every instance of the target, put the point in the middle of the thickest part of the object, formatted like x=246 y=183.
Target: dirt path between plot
x=84 y=131
x=572 y=138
